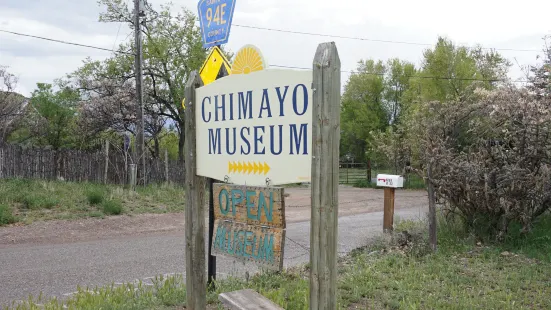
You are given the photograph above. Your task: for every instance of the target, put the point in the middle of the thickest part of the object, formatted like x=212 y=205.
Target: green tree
x=54 y=118
x=50 y=120
x=397 y=82
x=363 y=109
x=448 y=72
x=541 y=74
x=172 y=49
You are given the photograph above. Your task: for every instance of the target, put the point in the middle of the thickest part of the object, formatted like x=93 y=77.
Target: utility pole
x=139 y=11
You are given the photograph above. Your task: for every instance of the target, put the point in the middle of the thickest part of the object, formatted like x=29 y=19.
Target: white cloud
x=507 y=24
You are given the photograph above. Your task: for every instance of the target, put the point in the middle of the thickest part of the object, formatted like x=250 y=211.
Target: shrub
x=490 y=157
x=31 y=202
x=112 y=207
x=6 y=215
x=94 y=197
x=362 y=184
x=49 y=203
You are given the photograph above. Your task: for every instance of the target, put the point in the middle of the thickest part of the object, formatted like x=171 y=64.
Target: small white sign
x=254 y=127
x=388 y=180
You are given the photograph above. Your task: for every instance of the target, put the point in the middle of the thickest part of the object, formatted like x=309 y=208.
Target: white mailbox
x=388 y=180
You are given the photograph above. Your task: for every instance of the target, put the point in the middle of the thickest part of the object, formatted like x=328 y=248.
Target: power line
x=117 y=37
x=367 y=39
x=409 y=76
x=61 y=41
x=276 y=66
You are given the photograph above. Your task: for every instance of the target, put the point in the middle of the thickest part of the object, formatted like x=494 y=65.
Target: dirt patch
x=351 y=201
x=63 y=231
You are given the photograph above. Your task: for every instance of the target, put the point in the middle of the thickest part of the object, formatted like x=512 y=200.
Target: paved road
x=57 y=269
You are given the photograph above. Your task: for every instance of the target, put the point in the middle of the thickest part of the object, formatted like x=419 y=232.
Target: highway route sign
x=215 y=17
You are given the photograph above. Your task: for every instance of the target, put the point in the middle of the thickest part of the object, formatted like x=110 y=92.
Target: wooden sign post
x=194 y=220
x=249 y=224
x=325 y=177
x=388 y=216
x=265 y=127
x=390 y=183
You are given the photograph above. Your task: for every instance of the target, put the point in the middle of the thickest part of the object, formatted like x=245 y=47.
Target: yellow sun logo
x=248 y=59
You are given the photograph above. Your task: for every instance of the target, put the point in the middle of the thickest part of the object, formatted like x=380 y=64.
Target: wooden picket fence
x=82 y=166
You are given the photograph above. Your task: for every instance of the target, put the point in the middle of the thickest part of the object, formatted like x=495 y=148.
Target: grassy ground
x=390 y=274
x=30 y=200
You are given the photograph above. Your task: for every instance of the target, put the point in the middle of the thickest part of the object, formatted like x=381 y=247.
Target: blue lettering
x=281 y=99
x=220 y=240
x=273 y=139
x=258 y=138
x=269 y=248
x=250 y=205
x=248 y=239
x=224 y=193
x=305 y=92
x=241 y=242
x=246 y=141
x=203 y=110
x=231 y=242
x=219 y=107
x=231 y=152
x=265 y=104
x=267 y=208
x=236 y=200
x=260 y=252
x=253 y=247
x=244 y=104
x=297 y=139
x=231 y=106
x=214 y=141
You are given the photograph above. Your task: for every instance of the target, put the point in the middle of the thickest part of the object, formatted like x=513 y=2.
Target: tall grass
x=31 y=200
x=6 y=215
x=112 y=207
x=462 y=274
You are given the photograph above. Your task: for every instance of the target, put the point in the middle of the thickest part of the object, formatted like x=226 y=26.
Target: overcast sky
x=499 y=24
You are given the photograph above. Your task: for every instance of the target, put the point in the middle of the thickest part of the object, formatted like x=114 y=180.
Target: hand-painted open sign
x=388 y=180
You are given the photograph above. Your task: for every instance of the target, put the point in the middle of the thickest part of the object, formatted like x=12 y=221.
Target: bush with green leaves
x=112 y=207
x=94 y=197
x=490 y=156
x=362 y=183
x=6 y=215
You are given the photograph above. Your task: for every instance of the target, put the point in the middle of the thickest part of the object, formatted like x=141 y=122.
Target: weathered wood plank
x=325 y=177
x=259 y=244
x=432 y=209
x=250 y=204
x=106 y=162
x=388 y=215
x=196 y=283
x=246 y=300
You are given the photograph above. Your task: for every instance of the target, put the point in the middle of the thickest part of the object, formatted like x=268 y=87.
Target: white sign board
x=254 y=127
x=387 y=180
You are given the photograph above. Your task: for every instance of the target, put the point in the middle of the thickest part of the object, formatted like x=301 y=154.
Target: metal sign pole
x=211 y=259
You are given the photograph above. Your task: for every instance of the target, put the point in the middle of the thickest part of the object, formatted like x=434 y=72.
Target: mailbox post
x=390 y=183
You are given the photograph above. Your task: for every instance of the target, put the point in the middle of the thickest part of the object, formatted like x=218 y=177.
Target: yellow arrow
x=249 y=168
x=266 y=168
x=239 y=167
x=255 y=168
x=230 y=167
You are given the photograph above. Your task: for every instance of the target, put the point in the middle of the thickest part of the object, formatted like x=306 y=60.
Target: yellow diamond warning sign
x=216 y=66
